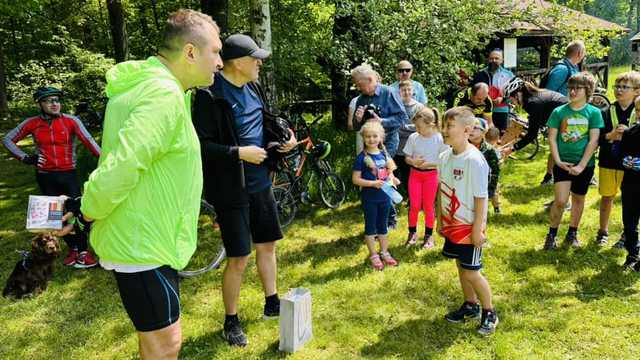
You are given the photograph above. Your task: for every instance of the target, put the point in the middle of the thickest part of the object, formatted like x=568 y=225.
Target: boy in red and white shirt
x=462 y=213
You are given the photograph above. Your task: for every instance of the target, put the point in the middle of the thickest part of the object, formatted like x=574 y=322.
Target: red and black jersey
x=54 y=139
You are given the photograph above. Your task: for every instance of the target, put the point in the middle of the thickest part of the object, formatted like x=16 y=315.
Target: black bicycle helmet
x=321 y=150
x=513 y=87
x=43 y=92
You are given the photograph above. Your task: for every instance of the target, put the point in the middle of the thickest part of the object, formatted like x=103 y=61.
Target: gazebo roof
x=538 y=22
x=636 y=37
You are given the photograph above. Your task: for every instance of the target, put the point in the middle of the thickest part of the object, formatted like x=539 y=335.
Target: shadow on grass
x=526 y=194
x=320 y=252
x=423 y=338
x=518 y=219
x=610 y=281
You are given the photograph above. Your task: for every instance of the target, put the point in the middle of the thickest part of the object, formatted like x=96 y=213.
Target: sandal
x=428 y=242
x=376 y=263
x=412 y=239
x=388 y=259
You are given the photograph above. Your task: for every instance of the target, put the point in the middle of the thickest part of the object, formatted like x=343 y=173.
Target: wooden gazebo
x=527 y=43
x=635 y=51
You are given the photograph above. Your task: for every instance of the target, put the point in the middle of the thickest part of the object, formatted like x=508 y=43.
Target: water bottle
x=393 y=194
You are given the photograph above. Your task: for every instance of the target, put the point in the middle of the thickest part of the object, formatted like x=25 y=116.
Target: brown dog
x=32 y=273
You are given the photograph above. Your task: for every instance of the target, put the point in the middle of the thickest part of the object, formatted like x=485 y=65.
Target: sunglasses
x=623 y=87
x=404 y=70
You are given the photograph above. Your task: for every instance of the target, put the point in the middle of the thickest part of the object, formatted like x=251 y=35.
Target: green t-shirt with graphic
x=573 y=130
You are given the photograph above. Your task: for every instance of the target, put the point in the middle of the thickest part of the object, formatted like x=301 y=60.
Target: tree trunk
x=260 y=19
x=218 y=10
x=118 y=30
x=154 y=8
x=4 y=106
x=340 y=82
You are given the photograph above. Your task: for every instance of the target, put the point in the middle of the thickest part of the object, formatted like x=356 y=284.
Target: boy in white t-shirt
x=462 y=212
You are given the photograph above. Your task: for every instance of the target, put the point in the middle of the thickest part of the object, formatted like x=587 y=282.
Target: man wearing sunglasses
x=404 y=71
x=54 y=136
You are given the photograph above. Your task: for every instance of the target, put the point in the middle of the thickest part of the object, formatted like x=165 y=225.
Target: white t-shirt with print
x=428 y=149
x=462 y=177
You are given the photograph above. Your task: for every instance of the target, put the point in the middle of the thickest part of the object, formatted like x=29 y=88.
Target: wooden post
x=545 y=52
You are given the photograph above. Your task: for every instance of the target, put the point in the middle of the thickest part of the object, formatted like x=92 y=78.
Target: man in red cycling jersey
x=54 y=135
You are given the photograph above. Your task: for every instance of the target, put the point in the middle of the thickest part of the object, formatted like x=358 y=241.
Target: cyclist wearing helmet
x=538 y=104
x=55 y=159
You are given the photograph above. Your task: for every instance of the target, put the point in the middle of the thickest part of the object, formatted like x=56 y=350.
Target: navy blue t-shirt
x=247 y=114
x=367 y=173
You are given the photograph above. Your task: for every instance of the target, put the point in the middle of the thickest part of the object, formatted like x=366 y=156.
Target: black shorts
x=258 y=223
x=579 y=183
x=151 y=298
x=470 y=257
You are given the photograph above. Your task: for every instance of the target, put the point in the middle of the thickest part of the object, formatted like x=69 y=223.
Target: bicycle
x=291 y=186
x=518 y=128
x=210 y=252
x=92 y=116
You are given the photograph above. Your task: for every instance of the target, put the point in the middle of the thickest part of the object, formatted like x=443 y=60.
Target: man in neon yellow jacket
x=145 y=193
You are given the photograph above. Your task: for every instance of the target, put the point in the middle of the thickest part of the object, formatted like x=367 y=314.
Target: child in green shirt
x=574 y=129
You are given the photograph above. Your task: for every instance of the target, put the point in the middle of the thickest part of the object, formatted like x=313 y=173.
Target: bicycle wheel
x=332 y=190
x=286 y=205
x=600 y=101
x=210 y=252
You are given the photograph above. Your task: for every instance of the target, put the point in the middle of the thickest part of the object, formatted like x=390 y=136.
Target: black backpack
x=275 y=130
x=544 y=80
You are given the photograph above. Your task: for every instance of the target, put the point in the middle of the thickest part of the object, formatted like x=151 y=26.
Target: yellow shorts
x=610 y=181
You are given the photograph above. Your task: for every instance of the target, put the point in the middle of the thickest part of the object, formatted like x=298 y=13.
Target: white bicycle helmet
x=513 y=86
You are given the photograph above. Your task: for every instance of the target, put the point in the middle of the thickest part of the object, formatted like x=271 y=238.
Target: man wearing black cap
x=228 y=118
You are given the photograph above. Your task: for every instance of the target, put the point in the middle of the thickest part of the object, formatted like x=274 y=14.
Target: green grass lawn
x=566 y=304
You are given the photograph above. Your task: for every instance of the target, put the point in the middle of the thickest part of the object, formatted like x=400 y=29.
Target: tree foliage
x=68 y=42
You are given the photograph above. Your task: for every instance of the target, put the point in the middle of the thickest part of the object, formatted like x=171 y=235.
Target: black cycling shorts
x=579 y=183
x=258 y=223
x=151 y=298
x=469 y=256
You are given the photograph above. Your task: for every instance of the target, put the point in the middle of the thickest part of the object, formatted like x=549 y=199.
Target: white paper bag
x=295 y=319
x=44 y=213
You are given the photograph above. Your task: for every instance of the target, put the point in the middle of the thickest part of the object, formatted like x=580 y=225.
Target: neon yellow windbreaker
x=145 y=192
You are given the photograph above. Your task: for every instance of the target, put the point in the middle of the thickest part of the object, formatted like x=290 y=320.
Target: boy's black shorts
x=469 y=256
x=151 y=298
x=258 y=223
x=579 y=183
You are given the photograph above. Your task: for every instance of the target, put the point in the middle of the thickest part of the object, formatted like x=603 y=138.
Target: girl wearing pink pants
x=422 y=153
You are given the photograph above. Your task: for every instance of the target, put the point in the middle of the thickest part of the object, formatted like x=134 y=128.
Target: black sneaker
x=620 y=243
x=550 y=242
x=602 y=238
x=466 y=311
x=488 y=323
x=571 y=239
x=593 y=182
x=547 y=180
x=271 y=311
x=234 y=335
x=630 y=263
x=497 y=211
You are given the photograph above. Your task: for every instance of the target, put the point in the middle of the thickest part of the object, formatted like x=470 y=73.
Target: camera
x=369 y=110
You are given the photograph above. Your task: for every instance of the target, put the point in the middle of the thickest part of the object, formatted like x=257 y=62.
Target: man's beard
x=493 y=66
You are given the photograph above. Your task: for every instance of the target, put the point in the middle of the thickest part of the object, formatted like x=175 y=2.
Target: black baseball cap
x=239 y=45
